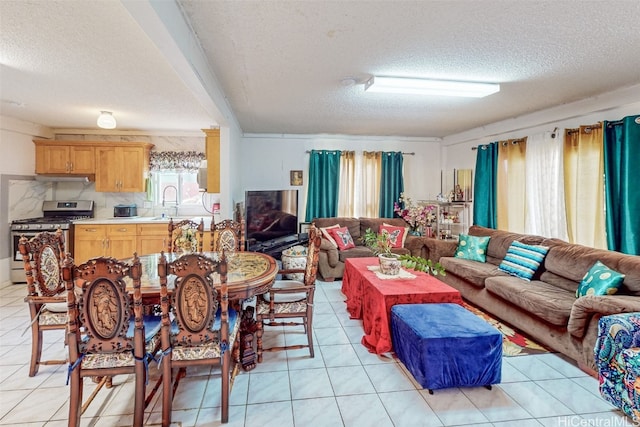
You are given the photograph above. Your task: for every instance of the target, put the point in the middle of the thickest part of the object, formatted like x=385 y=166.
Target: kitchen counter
x=142 y=220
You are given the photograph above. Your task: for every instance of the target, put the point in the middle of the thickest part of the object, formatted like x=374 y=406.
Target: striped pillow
x=523 y=260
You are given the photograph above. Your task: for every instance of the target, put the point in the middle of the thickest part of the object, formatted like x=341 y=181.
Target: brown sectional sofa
x=546 y=308
x=331 y=260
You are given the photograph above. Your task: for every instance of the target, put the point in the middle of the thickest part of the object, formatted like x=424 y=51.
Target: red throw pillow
x=396 y=235
x=342 y=238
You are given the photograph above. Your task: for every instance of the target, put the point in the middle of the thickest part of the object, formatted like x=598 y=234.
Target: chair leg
x=36 y=349
x=75 y=398
x=308 y=326
x=224 y=398
x=167 y=392
x=259 y=331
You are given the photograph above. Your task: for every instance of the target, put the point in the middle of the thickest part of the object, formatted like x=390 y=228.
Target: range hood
x=62 y=178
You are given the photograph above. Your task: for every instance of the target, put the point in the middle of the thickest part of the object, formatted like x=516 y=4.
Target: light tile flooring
x=343 y=385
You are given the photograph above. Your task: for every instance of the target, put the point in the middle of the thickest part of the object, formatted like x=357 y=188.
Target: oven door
x=17 y=274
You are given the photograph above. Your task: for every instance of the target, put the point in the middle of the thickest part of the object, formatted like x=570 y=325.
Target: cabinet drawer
x=153 y=229
x=122 y=229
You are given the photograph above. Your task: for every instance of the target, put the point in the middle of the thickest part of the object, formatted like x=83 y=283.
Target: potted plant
x=380 y=245
x=420 y=264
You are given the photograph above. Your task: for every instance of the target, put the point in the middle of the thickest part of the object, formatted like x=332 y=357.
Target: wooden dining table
x=248 y=274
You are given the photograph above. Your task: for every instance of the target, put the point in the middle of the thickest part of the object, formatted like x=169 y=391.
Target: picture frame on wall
x=296 y=177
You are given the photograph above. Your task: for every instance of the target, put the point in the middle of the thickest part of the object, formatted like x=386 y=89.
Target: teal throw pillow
x=523 y=260
x=600 y=280
x=473 y=248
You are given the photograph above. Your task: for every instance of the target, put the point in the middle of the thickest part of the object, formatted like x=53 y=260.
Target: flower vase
x=415 y=231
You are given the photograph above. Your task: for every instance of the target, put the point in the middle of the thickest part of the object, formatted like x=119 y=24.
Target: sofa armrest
x=331 y=252
x=585 y=308
x=416 y=246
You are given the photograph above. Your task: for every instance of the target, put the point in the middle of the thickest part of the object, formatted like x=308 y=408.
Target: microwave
x=124 y=211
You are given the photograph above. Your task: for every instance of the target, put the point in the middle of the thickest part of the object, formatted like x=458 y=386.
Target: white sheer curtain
x=346 y=192
x=369 y=197
x=545 y=213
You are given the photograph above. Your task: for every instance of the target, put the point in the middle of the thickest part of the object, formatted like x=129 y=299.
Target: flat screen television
x=270 y=215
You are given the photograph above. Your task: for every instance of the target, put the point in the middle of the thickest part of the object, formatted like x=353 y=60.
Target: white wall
x=268 y=159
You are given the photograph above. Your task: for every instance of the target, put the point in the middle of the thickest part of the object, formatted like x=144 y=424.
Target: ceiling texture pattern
x=298 y=67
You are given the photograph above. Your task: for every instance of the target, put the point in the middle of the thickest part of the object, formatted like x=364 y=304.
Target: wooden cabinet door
x=121 y=240
x=82 y=160
x=89 y=241
x=132 y=169
x=152 y=238
x=107 y=169
x=53 y=159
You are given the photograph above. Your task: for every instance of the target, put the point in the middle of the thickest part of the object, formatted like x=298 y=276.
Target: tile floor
x=343 y=385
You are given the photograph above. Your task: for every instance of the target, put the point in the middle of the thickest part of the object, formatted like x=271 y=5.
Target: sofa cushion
x=473 y=248
x=472 y=271
x=342 y=237
x=600 y=280
x=375 y=223
x=353 y=224
x=523 y=260
x=357 y=252
x=397 y=235
x=501 y=241
x=541 y=299
x=328 y=237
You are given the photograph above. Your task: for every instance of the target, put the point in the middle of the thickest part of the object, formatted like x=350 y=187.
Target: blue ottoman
x=444 y=345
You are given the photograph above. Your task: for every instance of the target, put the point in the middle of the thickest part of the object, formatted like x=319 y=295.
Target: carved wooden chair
x=182 y=232
x=227 y=235
x=203 y=329
x=108 y=334
x=46 y=296
x=291 y=299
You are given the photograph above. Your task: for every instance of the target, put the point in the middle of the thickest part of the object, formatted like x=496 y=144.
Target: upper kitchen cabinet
x=212 y=152
x=122 y=167
x=64 y=158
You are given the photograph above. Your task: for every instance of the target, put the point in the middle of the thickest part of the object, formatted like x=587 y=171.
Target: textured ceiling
x=281 y=64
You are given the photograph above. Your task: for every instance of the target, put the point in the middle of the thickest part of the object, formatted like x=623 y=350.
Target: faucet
x=164 y=201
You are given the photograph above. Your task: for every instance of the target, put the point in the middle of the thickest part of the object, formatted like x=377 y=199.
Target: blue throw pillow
x=600 y=280
x=523 y=260
x=473 y=248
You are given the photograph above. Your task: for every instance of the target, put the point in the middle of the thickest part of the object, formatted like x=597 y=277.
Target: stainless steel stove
x=57 y=214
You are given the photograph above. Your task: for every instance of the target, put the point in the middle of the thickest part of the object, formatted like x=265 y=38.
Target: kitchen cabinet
x=60 y=158
x=152 y=238
x=212 y=153
x=117 y=241
x=122 y=167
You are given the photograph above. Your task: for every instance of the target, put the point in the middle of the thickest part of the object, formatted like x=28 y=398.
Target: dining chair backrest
x=186 y=234
x=194 y=300
x=42 y=255
x=227 y=235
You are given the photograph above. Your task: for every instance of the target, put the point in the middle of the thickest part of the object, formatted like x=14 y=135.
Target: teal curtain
x=324 y=178
x=392 y=182
x=622 y=197
x=485 y=209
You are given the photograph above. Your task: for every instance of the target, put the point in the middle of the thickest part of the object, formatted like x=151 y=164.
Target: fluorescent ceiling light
x=106 y=120
x=430 y=87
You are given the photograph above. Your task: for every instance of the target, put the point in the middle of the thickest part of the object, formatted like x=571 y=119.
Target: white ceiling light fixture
x=106 y=120
x=417 y=86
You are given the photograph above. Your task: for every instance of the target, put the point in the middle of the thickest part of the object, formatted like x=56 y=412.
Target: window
x=176 y=188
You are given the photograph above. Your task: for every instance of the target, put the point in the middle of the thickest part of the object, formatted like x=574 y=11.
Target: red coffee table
x=370 y=298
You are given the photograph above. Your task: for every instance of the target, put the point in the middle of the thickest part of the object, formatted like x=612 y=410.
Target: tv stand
x=275 y=247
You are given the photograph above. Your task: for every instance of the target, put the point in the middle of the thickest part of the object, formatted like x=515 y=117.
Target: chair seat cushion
x=210 y=350
x=286 y=284
x=50 y=318
x=263 y=307
x=152 y=326
x=56 y=307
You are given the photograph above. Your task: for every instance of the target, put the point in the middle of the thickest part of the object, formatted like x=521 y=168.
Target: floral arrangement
x=186 y=240
x=416 y=216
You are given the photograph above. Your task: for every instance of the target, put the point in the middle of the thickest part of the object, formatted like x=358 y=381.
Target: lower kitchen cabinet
x=152 y=238
x=117 y=241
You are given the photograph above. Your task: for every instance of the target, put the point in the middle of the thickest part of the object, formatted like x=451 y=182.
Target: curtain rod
x=404 y=154
x=514 y=141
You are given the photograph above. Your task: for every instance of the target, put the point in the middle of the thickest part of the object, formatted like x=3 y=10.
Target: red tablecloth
x=370 y=298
